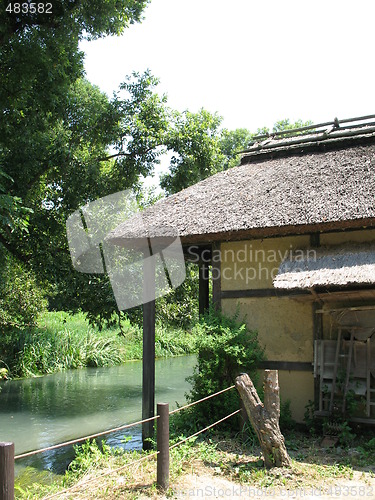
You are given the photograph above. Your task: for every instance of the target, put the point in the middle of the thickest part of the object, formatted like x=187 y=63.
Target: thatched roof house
x=294 y=228
x=325 y=184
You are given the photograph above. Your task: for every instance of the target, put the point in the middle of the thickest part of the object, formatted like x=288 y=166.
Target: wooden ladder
x=370 y=393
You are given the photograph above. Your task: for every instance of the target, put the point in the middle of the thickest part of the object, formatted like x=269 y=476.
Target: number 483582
x=29 y=8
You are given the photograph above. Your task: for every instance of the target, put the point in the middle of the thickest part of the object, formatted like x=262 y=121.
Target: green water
x=39 y=412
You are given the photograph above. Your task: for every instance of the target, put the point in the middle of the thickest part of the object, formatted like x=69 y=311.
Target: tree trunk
x=265 y=417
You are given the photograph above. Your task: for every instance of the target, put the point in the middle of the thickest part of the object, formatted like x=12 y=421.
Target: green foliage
x=13 y=215
x=281 y=125
x=287 y=422
x=55 y=135
x=286 y=125
x=64 y=143
x=68 y=166
x=179 y=308
x=62 y=341
x=88 y=456
x=21 y=298
x=202 y=148
x=41 y=352
x=231 y=142
x=312 y=423
x=225 y=348
x=194 y=139
x=370 y=445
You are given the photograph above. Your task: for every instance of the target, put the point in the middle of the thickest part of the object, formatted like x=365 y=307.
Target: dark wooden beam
x=300 y=366
x=279 y=231
x=197 y=253
x=216 y=277
x=262 y=292
x=203 y=288
x=315 y=240
x=148 y=368
x=317 y=323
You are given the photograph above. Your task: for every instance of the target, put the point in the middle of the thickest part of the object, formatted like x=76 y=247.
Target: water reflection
x=36 y=413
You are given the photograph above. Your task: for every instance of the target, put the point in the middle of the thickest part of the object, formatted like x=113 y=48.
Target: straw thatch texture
x=278 y=195
x=328 y=266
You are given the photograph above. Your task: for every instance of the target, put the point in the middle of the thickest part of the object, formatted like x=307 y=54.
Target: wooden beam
x=148 y=360
x=196 y=253
x=356 y=308
x=262 y=292
x=203 y=288
x=317 y=336
x=279 y=231
x=315 y=240
x=299 y=366
x=216 y=277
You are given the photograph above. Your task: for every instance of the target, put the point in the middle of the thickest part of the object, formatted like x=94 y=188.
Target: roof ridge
x=310 y=134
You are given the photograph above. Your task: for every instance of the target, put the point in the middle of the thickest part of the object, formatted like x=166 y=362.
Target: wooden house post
x=203 y=288
x=148 y=368
x=216 y=277
x=317 y=326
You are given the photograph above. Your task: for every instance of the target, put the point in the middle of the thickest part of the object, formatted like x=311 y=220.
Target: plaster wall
x=252 y=264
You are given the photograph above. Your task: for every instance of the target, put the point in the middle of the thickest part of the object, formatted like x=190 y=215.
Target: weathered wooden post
x=203 y=288
x=6 y=471
x=162 y=439
x=265 y=417
x=148 y=361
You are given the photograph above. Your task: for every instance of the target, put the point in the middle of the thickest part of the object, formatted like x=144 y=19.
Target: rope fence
x=85 y=438
x=200 y=400
x=163 y=448
x=205 y=429
x=100 y=476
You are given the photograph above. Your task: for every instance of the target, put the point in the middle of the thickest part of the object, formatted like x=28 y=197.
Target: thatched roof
x=342 y=265
x=324 y=185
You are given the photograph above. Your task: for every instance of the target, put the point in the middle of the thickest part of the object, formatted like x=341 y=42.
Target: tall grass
x=62 y=341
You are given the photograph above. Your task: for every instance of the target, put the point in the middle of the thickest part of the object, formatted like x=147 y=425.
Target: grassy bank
x=218 y=461
x=62 y=341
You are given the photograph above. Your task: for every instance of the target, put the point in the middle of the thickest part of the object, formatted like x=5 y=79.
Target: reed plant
x=62 y=341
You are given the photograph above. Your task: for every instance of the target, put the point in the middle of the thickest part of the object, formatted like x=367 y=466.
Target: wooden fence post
x=162 y=439
x=6 y=471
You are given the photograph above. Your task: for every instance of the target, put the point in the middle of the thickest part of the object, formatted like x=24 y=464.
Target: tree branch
x=122 y=153
x=19 y=256
x=116 y=155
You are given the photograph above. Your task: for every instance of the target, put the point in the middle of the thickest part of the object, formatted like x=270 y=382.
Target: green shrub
x=287 y=423
x=179 y=308
x=21 y=299
x=225 y=349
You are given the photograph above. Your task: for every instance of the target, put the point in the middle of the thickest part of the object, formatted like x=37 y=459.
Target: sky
x=253 y=62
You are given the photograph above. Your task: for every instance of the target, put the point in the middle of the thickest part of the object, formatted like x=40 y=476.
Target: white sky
x=254 y=62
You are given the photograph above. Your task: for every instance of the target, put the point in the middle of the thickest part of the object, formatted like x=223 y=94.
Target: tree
x=55 y=134
x=202 y=148
x=193 y=138
x=264 y=417
x=77 y=167
x=39 y=71
x=63 y=143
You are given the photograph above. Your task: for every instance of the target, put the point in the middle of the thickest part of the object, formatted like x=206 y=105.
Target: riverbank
x=62 y=341
x=220 y=467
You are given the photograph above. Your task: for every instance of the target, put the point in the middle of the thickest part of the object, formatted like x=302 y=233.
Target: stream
x=39 y=412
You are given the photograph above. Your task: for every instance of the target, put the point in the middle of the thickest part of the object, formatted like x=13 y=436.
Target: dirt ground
x=205 y=485
x=317 y=473
x=225 y=469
